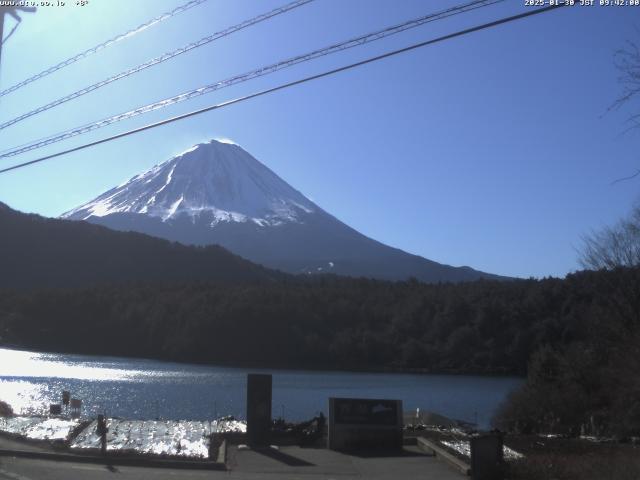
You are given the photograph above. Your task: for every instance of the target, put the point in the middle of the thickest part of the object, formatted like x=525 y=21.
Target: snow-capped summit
x=217 y=193
x=217 y=181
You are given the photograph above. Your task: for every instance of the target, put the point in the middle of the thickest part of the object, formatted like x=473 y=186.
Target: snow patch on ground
x=226 y=140
x=38 y=428
x=172 y=208
x=157 y=437
x=464 y=448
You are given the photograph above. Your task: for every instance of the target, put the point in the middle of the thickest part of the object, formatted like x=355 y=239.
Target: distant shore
x=274 y=365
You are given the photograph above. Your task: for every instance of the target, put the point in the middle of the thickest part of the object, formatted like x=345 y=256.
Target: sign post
x=101 y=430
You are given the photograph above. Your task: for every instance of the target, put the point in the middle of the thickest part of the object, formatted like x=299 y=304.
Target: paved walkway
x=286 y=463
x=296 y=462
x=7 y=443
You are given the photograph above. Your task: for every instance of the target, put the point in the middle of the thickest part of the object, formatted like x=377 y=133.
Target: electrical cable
x=100 y=46
x=289 y=84
x=157 y=60
x=259 y=72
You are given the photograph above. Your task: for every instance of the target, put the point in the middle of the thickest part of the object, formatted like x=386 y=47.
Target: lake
x=146 y=389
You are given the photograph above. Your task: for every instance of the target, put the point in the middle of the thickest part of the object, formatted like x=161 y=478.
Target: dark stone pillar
x=487 y=461
x=259 y=409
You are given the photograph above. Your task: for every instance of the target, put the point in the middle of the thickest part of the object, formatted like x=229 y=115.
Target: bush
x=5 y=409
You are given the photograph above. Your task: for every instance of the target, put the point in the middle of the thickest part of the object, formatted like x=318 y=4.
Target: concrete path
x=31 y=469
x=287 y=463
x=296 y=462
x=7 y=443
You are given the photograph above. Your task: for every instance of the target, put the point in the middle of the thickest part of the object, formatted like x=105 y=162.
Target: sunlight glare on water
x=14 y=363
x=141 y=389
x=24 y=397
x=31 y=381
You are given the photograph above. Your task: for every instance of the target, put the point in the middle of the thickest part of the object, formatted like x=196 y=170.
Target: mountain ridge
x=217 y=193
x=39 y=252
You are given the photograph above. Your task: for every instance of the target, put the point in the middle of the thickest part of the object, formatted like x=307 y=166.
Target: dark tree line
x=325 y=322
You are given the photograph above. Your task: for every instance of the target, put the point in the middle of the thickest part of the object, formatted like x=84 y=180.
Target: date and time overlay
x=43 y=3
x=527 y=3
x=582 y=3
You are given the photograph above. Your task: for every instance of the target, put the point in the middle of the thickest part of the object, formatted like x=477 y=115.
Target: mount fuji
x=217 y=193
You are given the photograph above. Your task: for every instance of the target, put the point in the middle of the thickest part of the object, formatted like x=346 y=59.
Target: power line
x=105 y=44
x=289 y=84
x=259 y=72
x=158 y=60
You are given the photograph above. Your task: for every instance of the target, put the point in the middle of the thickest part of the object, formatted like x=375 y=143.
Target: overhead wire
x=259 y=72
x=158 y=60
x=289 y=84
x=90 y=51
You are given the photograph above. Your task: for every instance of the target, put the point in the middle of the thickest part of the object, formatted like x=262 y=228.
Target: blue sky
x=489 y=150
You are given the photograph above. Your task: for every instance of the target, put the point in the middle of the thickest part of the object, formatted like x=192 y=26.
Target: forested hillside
x=326 y=322
x=38 y=252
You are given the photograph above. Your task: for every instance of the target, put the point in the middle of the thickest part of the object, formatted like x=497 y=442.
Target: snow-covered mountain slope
x=219 y=181
x=217 y=193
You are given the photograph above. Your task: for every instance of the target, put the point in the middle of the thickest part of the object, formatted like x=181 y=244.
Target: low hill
x=37 y=252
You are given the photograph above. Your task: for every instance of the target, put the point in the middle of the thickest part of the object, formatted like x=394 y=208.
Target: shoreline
x=272 y=366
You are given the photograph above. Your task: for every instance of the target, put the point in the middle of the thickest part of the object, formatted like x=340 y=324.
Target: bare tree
x=618 y=248
x=627 y=62
x=613 y=247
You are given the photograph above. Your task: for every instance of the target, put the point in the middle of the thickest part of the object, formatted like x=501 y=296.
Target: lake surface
x=147 y=389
